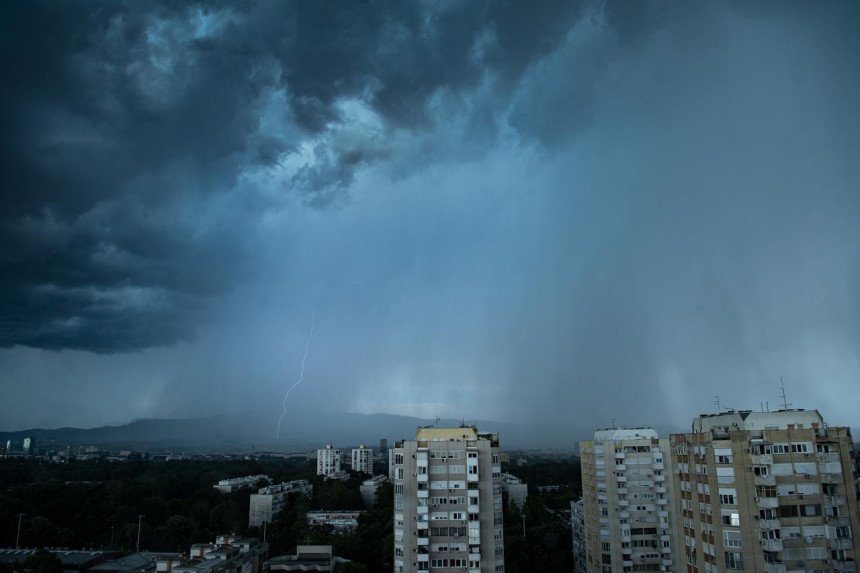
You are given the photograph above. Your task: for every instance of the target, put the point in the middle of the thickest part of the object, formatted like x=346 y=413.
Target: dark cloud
x=120 y=116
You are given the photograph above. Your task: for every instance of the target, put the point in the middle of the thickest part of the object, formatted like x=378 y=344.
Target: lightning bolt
x=301 y=376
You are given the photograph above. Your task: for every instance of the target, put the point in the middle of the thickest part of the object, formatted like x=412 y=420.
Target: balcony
x=660 y=478
x=666 y=562
x=837 y=521
x=422 y=525
x=762 y=459
x=831 y=478
x=421 y=478
x=423 y=493
x=767 y=502
x=771 y=544
x=623 y=503
x=769 y=524
x=662 y=501
x=659 y=466
x=845 y=565
x=828 y=456
x=841 y=543
x=472 y=478
x=624 y=514
x=474 y=509
x=774 y=567
x=423 y=509
x=660 y=489
x=423 y=557
x=622 y=490
x=765 y=480
x=621 y=479
x=835 y=500
x=620 y=467
x=619 y=455
x=423 y=541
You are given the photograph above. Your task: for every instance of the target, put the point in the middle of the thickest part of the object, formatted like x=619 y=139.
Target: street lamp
x=18 y=536
x=139 y=519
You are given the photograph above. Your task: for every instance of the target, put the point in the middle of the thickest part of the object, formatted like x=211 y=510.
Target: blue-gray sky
x=555 y=211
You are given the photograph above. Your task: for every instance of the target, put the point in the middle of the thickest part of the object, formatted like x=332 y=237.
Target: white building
x=235 y=484
x=362 y=459
x=339 y=521
x=368 y=490
x=627 y=502
x=269 y=501
x=328 y=461
x=448 y=501
x=515 y=489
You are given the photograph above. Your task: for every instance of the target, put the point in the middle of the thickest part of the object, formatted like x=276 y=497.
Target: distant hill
x=301 y=430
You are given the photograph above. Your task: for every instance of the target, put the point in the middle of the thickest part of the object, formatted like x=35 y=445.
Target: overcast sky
x=532 y=211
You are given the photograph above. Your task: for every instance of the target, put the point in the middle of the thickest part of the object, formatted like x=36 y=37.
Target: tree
x=43 y=561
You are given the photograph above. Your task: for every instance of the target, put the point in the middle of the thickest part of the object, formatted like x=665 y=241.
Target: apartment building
x=328 y=461
x=362 y=459
x=627 y=502
x=577 y=527
x=269 y=501
x=766 y=491
x=448 y=501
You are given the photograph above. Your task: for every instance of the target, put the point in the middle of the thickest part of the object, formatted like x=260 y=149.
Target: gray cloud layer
x=546 y=200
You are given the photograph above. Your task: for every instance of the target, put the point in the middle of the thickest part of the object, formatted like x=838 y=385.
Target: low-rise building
x=235 y=484
x=269 y=501
x=369 y=488
x=339 y=521
x=515 y=489
x=307 y=558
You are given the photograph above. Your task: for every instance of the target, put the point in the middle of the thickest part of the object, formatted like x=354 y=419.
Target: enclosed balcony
x=765 y=480
x=771 y=544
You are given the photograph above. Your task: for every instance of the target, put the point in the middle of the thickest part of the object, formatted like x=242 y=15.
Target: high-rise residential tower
x=362 y=459
x=328 y=461
x=627 y=502
x=448 y=501
x=766 y=491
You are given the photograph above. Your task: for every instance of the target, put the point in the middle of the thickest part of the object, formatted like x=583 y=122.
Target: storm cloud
x=540 y=200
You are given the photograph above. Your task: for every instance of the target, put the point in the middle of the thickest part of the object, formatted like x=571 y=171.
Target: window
x=728 y=496
x=734 y=560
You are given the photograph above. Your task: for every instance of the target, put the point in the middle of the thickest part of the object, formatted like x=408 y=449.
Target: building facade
x=515 y=489
x=328 y=461
x=362 y=459
x=766 y=491
x=577 y=527
x=269 y=501
x=448 y=501
x=627 y=502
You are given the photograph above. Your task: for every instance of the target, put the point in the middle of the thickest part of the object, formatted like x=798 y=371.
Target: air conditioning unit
x=807 y=455
x=748 y=450
x=749 y=468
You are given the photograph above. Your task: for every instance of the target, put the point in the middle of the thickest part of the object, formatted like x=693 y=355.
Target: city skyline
x=572 y=210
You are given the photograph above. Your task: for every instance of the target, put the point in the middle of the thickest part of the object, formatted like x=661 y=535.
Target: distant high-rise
x=766 y=491
x=328 y=461
x=362 y=459
x=383 y=447
x=448 y=501
x=28 y=446
x=627 y=502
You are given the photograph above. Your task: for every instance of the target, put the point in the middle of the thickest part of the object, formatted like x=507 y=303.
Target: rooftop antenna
x=717 y=402
x=613 y=423
x=785 y=403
